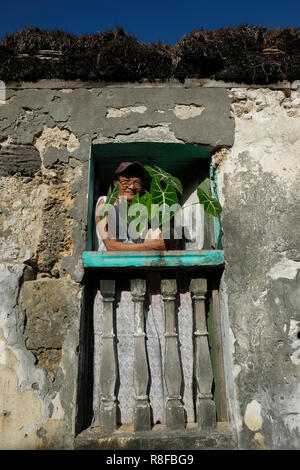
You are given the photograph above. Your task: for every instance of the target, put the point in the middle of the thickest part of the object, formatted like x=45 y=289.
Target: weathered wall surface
x=45 y=137
x=39 y=326
x=259 y=188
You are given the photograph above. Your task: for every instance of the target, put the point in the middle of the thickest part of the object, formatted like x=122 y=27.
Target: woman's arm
x=111 y=244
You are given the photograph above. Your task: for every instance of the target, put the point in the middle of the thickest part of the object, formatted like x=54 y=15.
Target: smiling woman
x=130 y=180
x=130 y=183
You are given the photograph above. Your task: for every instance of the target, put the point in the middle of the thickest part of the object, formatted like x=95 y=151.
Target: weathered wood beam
x=220 y=382
x=152 y=259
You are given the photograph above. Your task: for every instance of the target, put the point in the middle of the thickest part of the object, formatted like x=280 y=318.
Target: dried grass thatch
x=243 y=54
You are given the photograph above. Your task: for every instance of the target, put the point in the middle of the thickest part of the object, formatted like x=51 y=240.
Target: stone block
x=49 y=306
x=54 y=155
x=23 y=159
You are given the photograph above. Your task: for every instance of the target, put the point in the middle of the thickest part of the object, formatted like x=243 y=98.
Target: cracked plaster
x=260 y=171
x=257 y=187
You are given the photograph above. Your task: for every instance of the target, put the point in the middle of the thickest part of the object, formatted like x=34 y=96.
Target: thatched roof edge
x=245 y=54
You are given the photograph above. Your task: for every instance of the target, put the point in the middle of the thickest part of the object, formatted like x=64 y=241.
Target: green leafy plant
x=161 y=175
x=163 y=194
x=112 y=196
x=211 y=205
x=164 y=188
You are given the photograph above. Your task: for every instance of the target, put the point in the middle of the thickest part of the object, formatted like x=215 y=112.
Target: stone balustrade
x=202 y=367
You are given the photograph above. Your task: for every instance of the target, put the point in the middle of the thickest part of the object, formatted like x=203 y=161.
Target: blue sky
x=149 y=21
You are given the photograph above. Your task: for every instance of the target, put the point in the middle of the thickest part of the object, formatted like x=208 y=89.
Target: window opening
x=191 y=163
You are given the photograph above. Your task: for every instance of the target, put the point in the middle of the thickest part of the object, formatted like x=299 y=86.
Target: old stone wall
x=259 y=188
x=45 y=138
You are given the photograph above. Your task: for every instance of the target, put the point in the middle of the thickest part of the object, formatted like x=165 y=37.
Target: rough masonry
x=45 y=138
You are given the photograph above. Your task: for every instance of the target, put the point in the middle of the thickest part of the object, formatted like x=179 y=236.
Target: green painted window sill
x=140 y=259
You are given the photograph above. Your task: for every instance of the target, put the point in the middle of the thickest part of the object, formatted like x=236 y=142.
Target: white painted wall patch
x=2 y=352
x=295 y=357
x=285 y=268
x=119 y=112
x=183 y=111
x=252 y=417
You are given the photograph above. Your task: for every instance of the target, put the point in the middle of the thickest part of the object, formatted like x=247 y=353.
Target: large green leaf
x=211 y=205
x=146 y=199
x=133 y=215
x=162 y=175
x=164 y=197
x=111 y=198
x=135 y=200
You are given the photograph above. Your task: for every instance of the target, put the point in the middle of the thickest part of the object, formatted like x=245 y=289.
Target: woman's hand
x=112 y=244
x=161 y=244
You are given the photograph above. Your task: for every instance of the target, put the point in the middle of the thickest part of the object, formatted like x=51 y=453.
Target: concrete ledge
x=159 y=438
x=56 y=84
x=112 y=259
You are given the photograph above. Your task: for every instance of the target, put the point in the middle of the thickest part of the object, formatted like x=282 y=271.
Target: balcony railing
x=201 y=282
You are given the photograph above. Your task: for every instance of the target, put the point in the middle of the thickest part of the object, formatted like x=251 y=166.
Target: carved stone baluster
x=108 y=368
x=173 y=375
x=142 y=420
x=206 y=410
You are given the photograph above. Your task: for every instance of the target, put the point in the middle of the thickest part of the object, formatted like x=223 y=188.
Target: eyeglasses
x=128 y=182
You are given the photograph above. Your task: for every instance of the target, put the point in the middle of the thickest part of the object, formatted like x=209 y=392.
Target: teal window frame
x=174 y=157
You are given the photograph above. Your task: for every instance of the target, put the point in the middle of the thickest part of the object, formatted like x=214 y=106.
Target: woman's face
x=130 y=184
